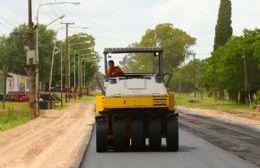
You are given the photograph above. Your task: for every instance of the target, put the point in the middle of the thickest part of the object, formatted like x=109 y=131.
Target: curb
x=83 y=151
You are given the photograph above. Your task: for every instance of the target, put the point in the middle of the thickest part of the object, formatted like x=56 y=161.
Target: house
x=17 y=83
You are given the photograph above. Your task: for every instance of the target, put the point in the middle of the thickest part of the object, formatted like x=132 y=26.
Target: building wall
x=17 y=83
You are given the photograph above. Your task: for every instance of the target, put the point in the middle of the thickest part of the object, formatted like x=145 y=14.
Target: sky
x=118 y=23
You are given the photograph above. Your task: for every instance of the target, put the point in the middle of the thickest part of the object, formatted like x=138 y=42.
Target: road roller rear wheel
x=172 y=138
x=155 y=134
x=120 y=142
x=137 y=135
x=101 y=135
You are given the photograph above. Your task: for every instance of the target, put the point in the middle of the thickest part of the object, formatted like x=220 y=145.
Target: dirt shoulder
x=53 y=140
x=243 y=119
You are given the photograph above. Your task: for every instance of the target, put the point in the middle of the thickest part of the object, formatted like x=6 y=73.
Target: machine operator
x=114 y=71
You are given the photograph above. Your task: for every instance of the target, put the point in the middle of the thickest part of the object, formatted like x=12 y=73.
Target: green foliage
x=16 y=114
x=1 y=83
x=13 y=50
x=226 y=68
x=211 y=103
x=258 y=98
x=91 y=69
x=84 y=51
x=188 y=77
x=176 y=44
x=46 y=39
x=223 y=30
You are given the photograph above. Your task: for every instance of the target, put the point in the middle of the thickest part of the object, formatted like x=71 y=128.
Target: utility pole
x=84 y=77
x=69 y=71
x=194 y=75
x=81 y=77
x=50 y=80
x=52 y=62
x=61 y=76
x=79 y=88
x=67 y=77
x=31 y=67
x=75 y=84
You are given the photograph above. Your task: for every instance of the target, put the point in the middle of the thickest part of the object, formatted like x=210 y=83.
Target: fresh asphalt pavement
x=194 y=152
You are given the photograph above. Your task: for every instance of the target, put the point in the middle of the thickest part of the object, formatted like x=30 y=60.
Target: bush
x=257 y=101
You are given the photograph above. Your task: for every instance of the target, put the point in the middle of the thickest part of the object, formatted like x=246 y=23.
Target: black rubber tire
x=172 y=137
x=155 y=134
x=119 y=134
x=101 y=135
x=137 y=135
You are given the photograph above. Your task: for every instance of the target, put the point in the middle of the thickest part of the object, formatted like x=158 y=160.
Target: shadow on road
x=163 y=149
x=186 y=148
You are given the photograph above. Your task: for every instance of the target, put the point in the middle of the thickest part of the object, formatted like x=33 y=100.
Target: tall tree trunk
x=233 y=96
x=216 y=95
x=242 y=97
x=221 y=94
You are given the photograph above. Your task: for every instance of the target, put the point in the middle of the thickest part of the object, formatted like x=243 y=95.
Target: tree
x=223 y=30
x=15 y=47
x=183 y=80
x=176 y=44
x=82 y=45
x=46 y=44
x=129 y=64
x=225 y=69
x=13 y=52
x=5 y=65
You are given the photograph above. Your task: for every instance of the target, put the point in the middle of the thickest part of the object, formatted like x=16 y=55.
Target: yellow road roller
x=136 y=111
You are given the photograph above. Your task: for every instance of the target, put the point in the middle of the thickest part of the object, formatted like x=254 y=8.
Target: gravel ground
x=53 y=140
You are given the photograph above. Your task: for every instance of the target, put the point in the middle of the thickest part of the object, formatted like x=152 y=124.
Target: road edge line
x=83 y=152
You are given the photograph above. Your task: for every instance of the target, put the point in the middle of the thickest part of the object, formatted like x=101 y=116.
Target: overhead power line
x=47 y=14
x=7 y=21
x=7 y=28
x=54 y=11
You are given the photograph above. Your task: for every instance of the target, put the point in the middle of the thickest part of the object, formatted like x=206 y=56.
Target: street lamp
x=55 y=51
x=37 y=21
x=68 y=58
x=37 y=36
x=82 y=76
x=74 y=69
x=59 y=18
x=85 y=60
x=72 y=44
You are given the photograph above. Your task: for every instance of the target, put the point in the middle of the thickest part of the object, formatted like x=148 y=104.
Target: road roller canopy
x=156 y=51
x=133 y=50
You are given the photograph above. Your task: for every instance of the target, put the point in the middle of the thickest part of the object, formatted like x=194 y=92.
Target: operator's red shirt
x=114 y=71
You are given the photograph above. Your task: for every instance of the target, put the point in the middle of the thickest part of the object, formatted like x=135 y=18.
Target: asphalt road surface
x=194 y=153
x=243 y=140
